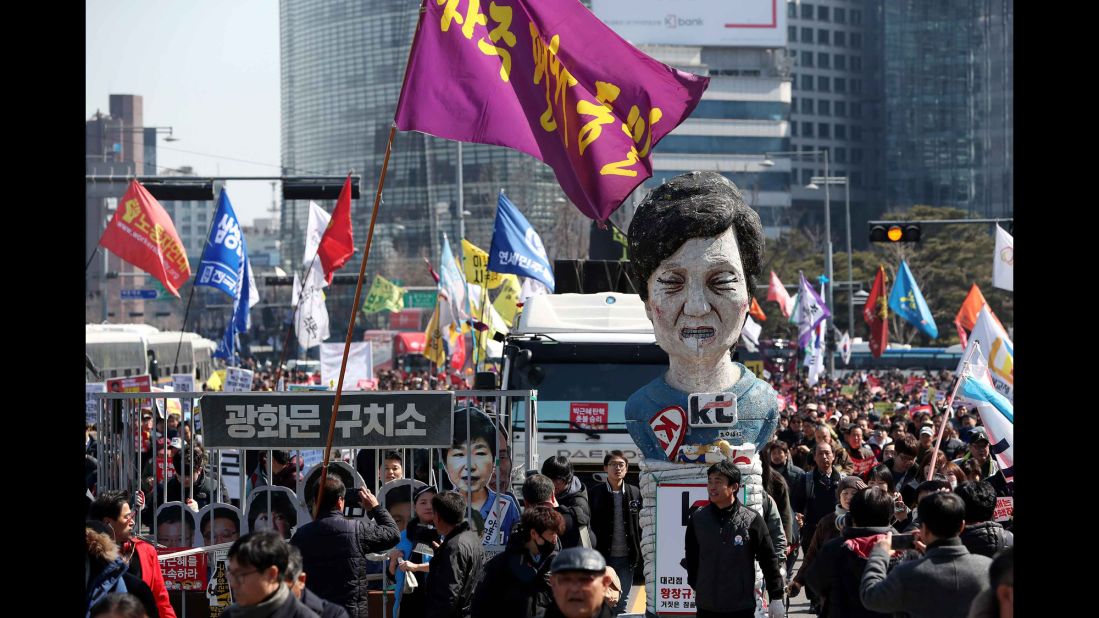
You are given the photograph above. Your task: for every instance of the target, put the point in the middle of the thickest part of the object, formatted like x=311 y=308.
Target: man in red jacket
x=113 y=509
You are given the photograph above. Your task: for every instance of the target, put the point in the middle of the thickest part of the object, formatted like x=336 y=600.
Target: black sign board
x=264 y=420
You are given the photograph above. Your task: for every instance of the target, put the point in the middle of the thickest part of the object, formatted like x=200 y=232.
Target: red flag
x=967 y=315
x=777 y=292
x=434 y=275
x=142 y=234
x=961 y=333
x=876 y=314
x=756 y=311
x=337 y=245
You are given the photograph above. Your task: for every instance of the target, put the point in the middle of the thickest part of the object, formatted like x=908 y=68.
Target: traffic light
x=894 y=231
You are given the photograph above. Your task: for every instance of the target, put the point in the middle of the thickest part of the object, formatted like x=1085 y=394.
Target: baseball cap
x=975 y=434
x=810 y=406
x=579 y=559
x=423 y=490
x=176 y=443
x=927 y=429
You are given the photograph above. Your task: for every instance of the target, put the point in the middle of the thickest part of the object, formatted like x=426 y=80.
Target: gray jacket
x=774 y=526
x=941 y=584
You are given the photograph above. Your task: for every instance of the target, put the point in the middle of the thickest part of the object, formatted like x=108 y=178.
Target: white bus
x=120 y=350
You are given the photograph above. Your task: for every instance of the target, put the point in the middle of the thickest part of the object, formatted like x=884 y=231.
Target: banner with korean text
x=300 y=420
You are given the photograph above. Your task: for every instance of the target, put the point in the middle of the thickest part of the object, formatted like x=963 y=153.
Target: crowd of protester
x=846 y=479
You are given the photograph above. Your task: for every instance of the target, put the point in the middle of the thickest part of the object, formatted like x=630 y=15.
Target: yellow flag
x=508 y=298
x=475 y=265
x=433 y=341
x=384 y=295
x=216 y=380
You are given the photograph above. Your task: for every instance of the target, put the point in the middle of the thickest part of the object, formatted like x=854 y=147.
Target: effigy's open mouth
x=704 y=332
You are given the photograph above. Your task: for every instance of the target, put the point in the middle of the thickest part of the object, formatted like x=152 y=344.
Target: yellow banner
x=507 y=299
x=216 y=380
x=475 y=265
x=384 y=295
x=433 y=340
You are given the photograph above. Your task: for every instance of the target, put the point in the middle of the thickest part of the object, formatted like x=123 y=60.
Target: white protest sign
x=91 y=404
x=184 y=383
x=360 y=364
x=673 y=503
x=237 y=380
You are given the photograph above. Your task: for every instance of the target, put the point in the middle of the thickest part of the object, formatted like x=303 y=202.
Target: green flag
x=384 y=296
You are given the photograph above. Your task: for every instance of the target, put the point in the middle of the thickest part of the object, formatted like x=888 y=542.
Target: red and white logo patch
x=670 y=427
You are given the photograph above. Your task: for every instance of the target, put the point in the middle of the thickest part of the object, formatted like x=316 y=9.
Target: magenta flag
x=547 y=78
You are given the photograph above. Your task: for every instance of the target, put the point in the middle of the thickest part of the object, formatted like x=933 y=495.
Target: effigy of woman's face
x=698 y=298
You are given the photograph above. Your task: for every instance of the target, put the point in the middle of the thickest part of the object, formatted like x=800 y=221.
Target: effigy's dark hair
x=692 y=205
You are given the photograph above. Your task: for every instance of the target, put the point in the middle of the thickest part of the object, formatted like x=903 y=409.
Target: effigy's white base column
x=663 y=526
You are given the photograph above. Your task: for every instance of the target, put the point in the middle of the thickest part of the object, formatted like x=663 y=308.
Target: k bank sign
x=738 y=23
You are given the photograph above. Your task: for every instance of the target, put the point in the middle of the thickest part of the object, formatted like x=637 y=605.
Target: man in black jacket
x=982 y=535
x=615 y=510
x=836 y=571
x=457 y=565
x=256 y=564
x=579 y=579
x=572 y=497
x=723 y=538
x=516 y=581
x=334 y=548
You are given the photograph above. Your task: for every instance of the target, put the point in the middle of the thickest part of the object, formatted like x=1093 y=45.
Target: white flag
x=815 y=355
x=996 y=350
x=318 y=223
x=531 y=287
x=750 y=334
x=1003 y=261
x=359 y=364
x=311 y=318
x=845 y=347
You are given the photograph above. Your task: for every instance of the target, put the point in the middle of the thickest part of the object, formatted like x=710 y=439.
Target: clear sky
x=207 y=68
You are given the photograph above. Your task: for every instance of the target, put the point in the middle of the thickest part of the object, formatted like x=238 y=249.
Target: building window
x=823 y=60
x=840 y=39
x=806 y=11
x=841 y=153
x=841 y=84
x=856 y=40
x=792 y=32
x=856 y=134
x=822 y=13
x=807 y=176
x=839 y=15
x=856 y=17
x=856 y=179
x=856 y=86
x=791 y=10
x=841 y=130
x=806 y=59
x=807 y=106
x=856 y=63
x=841 y=109
x=824 y=129
x=824 y=107
x=793 y=129
x=806 y=35
x=824 y=84
x=841 y=62
x=807 y=129
x=856 y=109
x=822 y=36
x=807 y=83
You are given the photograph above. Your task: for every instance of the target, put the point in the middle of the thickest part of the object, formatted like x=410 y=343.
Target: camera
x=352 y=503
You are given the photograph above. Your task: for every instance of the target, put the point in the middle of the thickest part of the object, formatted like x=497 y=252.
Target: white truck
x=585 y=354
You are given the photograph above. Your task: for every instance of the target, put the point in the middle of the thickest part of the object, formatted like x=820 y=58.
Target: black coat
x=602 y=519
x=455 y=571
x=322 y=608
x=574 y=508
x=513 y=585
x=333 y=550
x=292 y=607
x=605 y=611
x=986 y=538
x=835 y=573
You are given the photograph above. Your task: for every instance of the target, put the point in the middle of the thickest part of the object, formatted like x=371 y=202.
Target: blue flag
x=516 y=247
x=225 y=267
x=908 y=302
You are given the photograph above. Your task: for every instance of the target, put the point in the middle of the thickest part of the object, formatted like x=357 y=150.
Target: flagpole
x=948 y=406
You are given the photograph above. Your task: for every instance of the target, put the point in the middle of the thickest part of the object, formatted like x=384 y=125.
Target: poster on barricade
x=400 y=419
x=133 y=384
x=307 y=486
x=175 y=526
x=218 y=593
x=91 y=404
x=674 y=502
x=1005 y=508
x=470 y=469
x=279 y=513
x=184 y=383
x=219 y=522
x=238 y=380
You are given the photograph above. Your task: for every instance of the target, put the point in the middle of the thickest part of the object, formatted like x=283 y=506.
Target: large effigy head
x=697 y=251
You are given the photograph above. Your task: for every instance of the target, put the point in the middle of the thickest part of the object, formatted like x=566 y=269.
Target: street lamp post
x=823 y=153
x=842 y=180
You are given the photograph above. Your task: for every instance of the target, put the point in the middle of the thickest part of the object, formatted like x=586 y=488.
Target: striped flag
x=997 y=412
